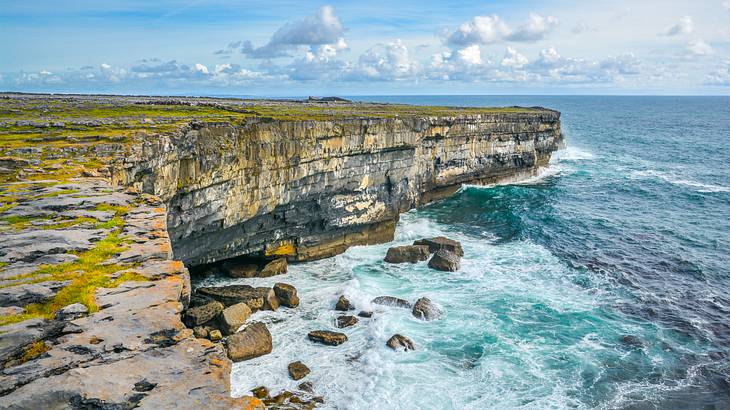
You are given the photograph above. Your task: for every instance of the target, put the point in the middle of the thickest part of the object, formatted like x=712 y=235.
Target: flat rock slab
x=28 y=246
x=25 y=294
x=253 y=341
x=408 y=253
x=440 y=242
x=327 y=337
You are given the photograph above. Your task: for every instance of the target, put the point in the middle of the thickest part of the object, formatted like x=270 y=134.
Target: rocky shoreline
x=97 y=193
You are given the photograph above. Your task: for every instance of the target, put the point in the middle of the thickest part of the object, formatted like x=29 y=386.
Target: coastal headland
x=107 y=203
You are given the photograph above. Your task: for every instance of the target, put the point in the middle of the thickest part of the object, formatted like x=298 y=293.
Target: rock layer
x=311 y=189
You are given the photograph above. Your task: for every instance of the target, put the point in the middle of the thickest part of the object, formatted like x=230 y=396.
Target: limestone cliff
x=311 y=189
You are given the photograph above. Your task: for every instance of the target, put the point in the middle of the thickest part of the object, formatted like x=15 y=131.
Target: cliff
x=102 y=196
x=311 y=189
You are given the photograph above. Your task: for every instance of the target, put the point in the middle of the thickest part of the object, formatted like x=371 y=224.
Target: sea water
x=602 y=283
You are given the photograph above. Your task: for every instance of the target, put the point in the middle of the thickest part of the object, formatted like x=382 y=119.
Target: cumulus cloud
x=535 y=29
x=384 y=62
x=699 y=48
x=320 y=29
x=685 y=25
x=551 y=65
x=513 y=59
x=492 y=29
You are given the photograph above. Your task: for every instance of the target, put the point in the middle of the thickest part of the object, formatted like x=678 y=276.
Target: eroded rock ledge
x=311 y=189
x=97 y=193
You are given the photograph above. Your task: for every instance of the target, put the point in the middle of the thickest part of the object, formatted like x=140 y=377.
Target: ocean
x=602 y=283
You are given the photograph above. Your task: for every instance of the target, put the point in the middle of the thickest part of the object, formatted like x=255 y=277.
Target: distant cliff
x=310 y=189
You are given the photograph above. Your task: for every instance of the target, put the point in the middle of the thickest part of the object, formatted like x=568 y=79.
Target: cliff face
x=311 y=189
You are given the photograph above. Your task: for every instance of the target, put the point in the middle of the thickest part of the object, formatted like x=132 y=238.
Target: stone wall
x=311 y=189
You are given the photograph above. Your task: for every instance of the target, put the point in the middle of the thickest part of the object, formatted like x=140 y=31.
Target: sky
x=376 y=47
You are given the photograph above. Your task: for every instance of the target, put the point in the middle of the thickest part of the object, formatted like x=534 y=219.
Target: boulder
x=440 y=242
x=298 y=370
x=306 y=387
x=327 y=337
x=255 y=298
x=200 y=332
x=408 y=253
x=236 y=269
x=275 y=267
x=253 y=341
x=287 y=294
x=400 y=342
x=199 y=315
x=72 y=311
x=215 y=335
x=392 y=301
x=444 y=260
x=343 y=304
x=260 y=392
x=424 y=309
x=365 y=313
x=233 y=317
x=346 y=321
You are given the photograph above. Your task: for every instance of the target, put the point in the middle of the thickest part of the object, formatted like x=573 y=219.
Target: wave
x=679 y=181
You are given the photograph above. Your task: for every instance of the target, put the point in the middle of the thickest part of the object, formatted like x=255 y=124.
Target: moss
x=33 y=350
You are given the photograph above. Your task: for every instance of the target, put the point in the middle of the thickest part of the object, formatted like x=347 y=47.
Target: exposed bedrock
x=310 y=189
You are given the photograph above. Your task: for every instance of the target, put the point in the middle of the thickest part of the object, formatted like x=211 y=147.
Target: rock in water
x=196 y=316
x=255 y=298
x=426 y=310
x=445 y=261
x=400 y=342
x=365 y=313
x=275 y=267
x=327 y=337
x=346 y=321
x=239 y=270
x=391 y=301
x=233 y=317
x=298 y=370
x=253 y=341
x=440 y=242
x=287 y=294
x=408 y=253
x=343 y=304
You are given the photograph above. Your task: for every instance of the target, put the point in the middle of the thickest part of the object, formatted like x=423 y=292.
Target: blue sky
x=292 y=48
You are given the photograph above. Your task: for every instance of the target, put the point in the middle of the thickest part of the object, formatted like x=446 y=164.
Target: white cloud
x=699 y=48
x=200 y=68
x=720 y=76
x=535 y=29
x=322 y=28
x=513 y=59
x=384 y=62
x=685 y=25
x=492 y=29
x=470 y=55
x=105 y=66
x=479 y=30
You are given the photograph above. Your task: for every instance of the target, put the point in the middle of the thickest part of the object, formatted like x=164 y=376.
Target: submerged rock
x=400 y=342
x=287 y=294
x=391 y=301
x=298 y=370
x=440 y=242
x=233 y=317
x=343 y=304
x=408 y=253
x=444 y=260
x=327 y=337
x=202 y=314
x=346 y=321
x=253 y=341
x=306 y=387
x=275 y=267
x=424 y=309
x=365 y=314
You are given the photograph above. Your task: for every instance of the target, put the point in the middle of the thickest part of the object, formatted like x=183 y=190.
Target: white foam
x=679 y=181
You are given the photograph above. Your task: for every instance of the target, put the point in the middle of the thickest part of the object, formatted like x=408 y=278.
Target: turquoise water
x=603 y=283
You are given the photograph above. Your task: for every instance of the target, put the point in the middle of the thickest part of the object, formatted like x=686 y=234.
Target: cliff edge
x=102 y=197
